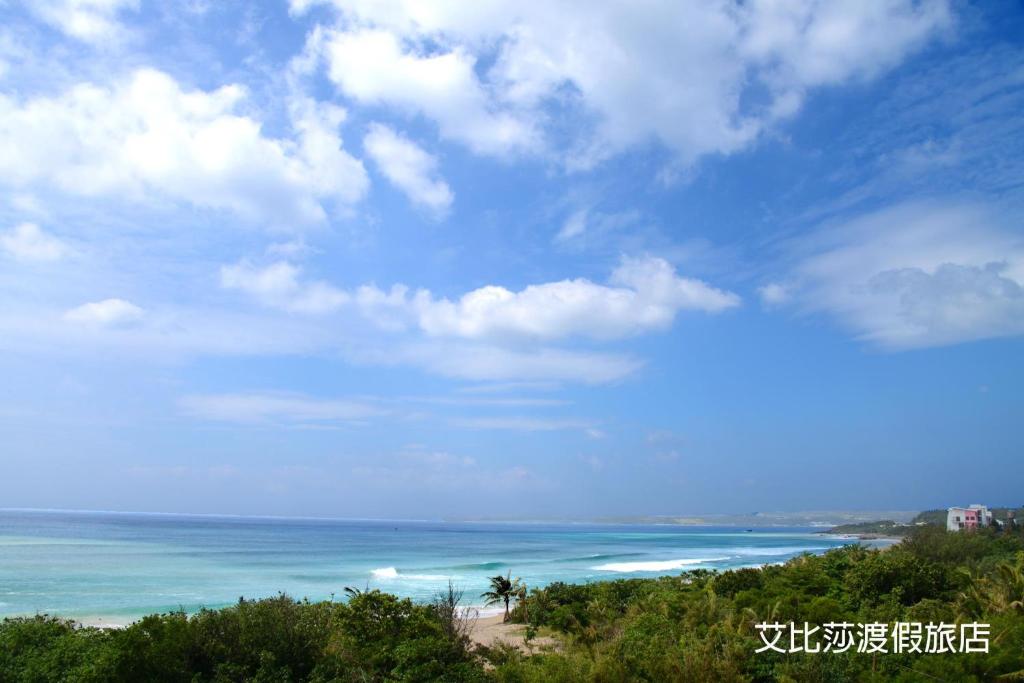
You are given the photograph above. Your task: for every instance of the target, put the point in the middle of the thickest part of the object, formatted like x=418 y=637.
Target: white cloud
x=644 y=295
x=92 y=21
x=917 y=275
x=27 y=242
x=171 y=333
x=371 y=67
x=276 y=408
x=409 y=168
x=484 y=362
x=290 y=249
x=108 y=313
x=279 y=285
x=168 y=333
x=149 y=135
x=699 y=77
x=574 y=226
x=773 y=294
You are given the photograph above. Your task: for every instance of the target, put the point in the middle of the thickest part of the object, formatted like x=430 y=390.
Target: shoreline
x=866 y=536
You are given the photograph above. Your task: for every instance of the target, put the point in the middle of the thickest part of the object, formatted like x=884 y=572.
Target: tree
x=502 y=590
x=456 y=621
x=520 y=590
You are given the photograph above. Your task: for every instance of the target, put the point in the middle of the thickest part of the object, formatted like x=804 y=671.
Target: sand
x=490 y=630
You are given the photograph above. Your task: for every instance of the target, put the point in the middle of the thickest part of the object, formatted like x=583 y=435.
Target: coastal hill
x=938 y=517
x=890 y=527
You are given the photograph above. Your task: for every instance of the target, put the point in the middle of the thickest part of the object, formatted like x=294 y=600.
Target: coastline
x=867 y=536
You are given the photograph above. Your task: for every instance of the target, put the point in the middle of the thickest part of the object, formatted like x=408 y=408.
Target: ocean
x=120 y=566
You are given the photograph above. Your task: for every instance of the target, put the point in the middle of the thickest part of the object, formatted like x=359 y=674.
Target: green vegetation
x=885 y=527
x=372 y=637
x=698 y=626
x=938 y=517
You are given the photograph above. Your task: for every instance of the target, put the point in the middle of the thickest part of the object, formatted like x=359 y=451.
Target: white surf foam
x=654 y=566
x=782 y=550
x=392 y=573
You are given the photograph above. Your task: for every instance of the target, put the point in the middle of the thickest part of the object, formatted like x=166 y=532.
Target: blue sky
x=421 y=259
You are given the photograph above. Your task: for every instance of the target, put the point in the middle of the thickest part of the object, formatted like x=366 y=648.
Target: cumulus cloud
x=288 y=408
x=372 y=66
x=409 y=168
x=27 y=242
x=92 y=21
x=150 y=135
x=643 y=294
x=700 y=78
x=917 y=275
x=108 y=313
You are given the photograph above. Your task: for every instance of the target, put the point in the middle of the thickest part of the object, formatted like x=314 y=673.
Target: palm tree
x=521 y=590
x=998 y=592
x=353 y=592
x=502 y=590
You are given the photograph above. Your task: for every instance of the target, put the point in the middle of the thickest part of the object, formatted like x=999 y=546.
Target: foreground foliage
x=695 y=627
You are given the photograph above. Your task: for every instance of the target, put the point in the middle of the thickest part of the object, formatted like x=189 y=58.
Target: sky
x=424 y=259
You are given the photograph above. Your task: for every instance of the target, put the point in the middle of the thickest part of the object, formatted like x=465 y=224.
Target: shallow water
x=121 y=566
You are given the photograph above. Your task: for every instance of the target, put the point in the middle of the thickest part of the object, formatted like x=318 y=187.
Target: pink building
x=972 y=517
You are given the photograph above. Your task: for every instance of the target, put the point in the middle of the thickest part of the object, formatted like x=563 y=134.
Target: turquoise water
x=119 y=566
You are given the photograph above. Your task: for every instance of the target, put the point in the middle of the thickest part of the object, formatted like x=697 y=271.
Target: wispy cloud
x=278 y=408
x=526 y=424
x=107 y=312
x=915 y=275
x=27 y=242
x=409 y=168
x=91 y=21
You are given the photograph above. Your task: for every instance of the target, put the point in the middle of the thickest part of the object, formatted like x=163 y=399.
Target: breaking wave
x=390 y=573
x=482 y=565
x=655 y=565
x=592 y=558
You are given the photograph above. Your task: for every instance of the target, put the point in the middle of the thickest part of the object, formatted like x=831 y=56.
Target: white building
x=972 y=517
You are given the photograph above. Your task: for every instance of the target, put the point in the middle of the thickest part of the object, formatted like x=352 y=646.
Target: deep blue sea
x=120 y=566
